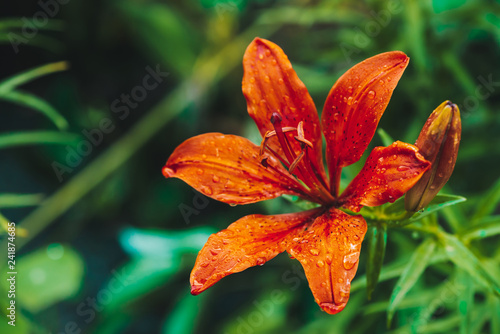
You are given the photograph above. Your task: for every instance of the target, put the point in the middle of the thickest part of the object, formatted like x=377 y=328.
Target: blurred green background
x=104 y=243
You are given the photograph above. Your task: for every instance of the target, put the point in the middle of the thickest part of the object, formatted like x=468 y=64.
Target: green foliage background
x=105 y=248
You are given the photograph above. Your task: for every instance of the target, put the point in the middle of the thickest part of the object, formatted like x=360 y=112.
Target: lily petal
x=250 y=241
x=354 y=106
x=329 y=252
x=388 y=173
x=271 y=85
x=228 y=168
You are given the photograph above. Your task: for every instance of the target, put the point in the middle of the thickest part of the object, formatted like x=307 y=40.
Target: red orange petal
x=250 y=241
x=329 y=252
x=354 y=106
x=228 y=168
x=388 y=173
x=270 y=85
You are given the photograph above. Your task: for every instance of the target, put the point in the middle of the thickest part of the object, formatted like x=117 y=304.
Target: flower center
x=298 y=164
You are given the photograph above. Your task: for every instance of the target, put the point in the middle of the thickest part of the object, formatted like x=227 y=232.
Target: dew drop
x=199 y=171
x=349 y=89
x=260 y=261
x=267 y=79
x=229 y=184
x=432 y=187
x=206 y=190
x=204 y=264
x=167 y=172
x=340 y=280
x=389 y=79
x=252 y=80
x=320 y=263
x=402 y=168
x=350 y=260
x=440 y=175
x=381 y=82
x=280 y=81
x=214 y=251
x=323 y=284
x=314 y=251
x=371 y=94
x=328 y=259
x=261 y=56
x=349 y=101
x=232 y=204
x=268 y=52
x=215 y=179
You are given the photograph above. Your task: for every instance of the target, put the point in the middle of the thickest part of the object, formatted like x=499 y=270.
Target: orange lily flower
x=231 y=169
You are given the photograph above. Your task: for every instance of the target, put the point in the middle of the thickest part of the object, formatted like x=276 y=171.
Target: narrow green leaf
x=8 y=200
x=377 y=240
x=19 y=23
x=413 y=270
x=465 y=301
x=488 y=203
x=182 y=319
x=21 y=78
x=463 y=258
x=9 y=140
x=487 y=228
x=385 y=137
x=494 y=305
x=34 y=102
x=439 y=202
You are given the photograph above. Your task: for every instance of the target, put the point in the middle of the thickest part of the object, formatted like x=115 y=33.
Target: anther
x=296 y=161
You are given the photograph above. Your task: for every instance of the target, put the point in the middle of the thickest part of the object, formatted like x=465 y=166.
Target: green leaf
x=385 y=137
x=487 y=228
x=439 y=202
x=488 y=203
x=34 y=102
x=463 y=258
x=377 y=240
x=8 y=140
x=14 y=81
x=465 y=301
x=8 y=200
x=47 y=276
x=183 y=318
x=413 y=270
x=300 y=203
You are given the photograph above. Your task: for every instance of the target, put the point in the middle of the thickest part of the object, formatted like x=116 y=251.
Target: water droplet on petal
x=261 y=261
x=314 y=251
x=204 y=264
x=328 y=259
x=350 y=260
x=402 y=168
x=320 y=263
x=280 y=81
x=215 y=179
x=215 y=251
x=267 y=79
x=349 y=89
x=371 y=94
x=261 y=56
x=167 y=172
x=349 y=101
x=206 y=190
x=340 y=280
x=323 y=284
x=199 y=171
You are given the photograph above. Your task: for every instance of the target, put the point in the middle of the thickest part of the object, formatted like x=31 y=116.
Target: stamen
x=296 y=161
x=300 y=135
x=270 y=134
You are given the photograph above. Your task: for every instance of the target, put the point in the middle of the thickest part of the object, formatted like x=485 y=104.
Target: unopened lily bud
x=438 y=142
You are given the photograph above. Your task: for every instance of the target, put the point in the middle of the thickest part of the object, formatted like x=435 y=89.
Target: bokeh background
x=105 y=244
